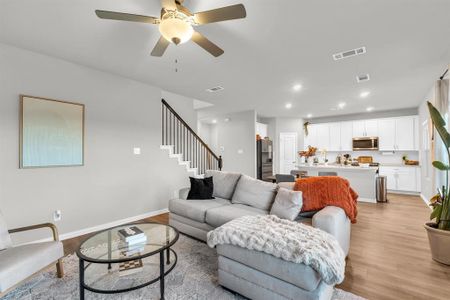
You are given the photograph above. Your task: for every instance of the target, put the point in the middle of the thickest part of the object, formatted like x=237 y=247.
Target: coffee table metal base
x=160 y=278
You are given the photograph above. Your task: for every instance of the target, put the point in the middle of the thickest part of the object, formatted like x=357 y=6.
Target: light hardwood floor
x=389 y=255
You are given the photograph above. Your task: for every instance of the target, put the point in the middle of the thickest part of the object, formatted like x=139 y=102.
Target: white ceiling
x=279 y=43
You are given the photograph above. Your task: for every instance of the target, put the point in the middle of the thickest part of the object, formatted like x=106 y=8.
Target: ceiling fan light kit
x=176 y=24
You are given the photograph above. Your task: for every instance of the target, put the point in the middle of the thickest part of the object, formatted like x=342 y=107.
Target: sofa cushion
x=218 y=216
x=299 y=275
x=5 y=239
x=224 y=183
x=287 y=204
x=254 y=192
x=201 y=188
x=195 y=209
x=18 y=263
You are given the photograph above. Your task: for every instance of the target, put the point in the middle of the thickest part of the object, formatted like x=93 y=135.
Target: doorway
x=288 y=152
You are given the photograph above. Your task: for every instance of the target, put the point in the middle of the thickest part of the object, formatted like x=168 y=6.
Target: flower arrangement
x=308 y=153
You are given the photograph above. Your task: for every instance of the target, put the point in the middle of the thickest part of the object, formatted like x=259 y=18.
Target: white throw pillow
x=287 y=204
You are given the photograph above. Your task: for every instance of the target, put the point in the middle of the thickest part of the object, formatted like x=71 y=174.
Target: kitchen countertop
x=399 y=165
x=340 y=167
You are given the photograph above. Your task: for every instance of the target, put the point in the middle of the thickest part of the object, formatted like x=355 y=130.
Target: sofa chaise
x=253 y=274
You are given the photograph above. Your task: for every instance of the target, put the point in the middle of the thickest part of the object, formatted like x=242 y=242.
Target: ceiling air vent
x=215 y=89
x=362 y=78
x=349 y=53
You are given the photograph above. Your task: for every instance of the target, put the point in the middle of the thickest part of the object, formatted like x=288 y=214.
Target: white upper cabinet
x=323 y=136
x=359 y=128
x=398 y=134
x=405 y=133
x=364 y=128
x=394 y=134
x=335 y=137
x=386 y=135
x=311 y=138
x=346 y=136
x=371 y=127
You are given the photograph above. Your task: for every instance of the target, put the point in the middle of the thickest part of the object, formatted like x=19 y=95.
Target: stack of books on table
x=133 y=242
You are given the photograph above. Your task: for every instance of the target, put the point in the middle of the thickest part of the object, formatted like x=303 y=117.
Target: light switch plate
x=137 y=151
x=240 y=151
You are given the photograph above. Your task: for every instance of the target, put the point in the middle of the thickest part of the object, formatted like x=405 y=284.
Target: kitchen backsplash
x=380 y=157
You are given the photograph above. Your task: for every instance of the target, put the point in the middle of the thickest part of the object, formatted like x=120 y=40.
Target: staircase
x=183 y=144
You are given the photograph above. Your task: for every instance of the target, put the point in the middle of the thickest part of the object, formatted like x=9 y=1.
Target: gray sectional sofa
x=255 y=274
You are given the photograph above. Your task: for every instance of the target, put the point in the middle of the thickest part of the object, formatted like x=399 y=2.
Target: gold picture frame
x=51 y=133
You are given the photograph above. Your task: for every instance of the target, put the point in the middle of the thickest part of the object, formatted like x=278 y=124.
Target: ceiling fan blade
x=206 y=44
x=112 y=15
x=221 y=14
x=169 y=4
x=160 y=47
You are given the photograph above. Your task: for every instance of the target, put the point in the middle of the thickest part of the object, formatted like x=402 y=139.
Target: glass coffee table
x=108 y=266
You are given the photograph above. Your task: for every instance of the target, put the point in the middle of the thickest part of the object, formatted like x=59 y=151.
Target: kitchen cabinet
x=323 y=136
x=335 y=137
x=346 y=136
x=402 y=178
x=398 y=134
x=404 y=133
x=365 y=128
x=394 y=134
x=386 y=136
x=311 y=138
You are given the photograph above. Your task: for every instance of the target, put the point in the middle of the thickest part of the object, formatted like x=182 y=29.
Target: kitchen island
x=362 y=179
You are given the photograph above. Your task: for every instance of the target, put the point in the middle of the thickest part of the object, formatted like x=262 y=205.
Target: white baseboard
x=84 y=231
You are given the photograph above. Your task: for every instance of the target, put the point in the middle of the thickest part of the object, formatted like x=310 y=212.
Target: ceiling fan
x=176 y=24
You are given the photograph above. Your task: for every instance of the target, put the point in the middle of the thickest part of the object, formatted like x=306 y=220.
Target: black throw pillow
x=201 y=188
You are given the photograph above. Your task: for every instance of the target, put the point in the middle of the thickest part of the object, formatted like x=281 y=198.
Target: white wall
x=236 y=142
x=114 y=184
x=184 y=106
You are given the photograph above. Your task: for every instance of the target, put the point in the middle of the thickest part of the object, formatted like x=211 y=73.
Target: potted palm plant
x=439 y=230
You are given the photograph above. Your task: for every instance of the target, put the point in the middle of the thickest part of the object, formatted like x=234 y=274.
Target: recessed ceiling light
x=309 y=116
x=364 y=94
x=370 y=108
x=341 y=105
x=214 y=121
x=288 y=105
x=297 y=87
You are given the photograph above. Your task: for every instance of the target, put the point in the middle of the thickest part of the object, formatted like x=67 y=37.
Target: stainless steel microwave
x=365 y=143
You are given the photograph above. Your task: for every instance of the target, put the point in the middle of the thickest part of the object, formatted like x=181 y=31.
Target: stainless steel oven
x=365 y=143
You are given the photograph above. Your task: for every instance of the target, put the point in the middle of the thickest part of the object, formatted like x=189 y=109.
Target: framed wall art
x=51 y=133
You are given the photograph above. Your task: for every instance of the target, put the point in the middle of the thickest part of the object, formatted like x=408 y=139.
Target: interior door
x=288 y=152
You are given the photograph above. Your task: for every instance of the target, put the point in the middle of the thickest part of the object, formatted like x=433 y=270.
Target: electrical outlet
x=57 y=215
x=137 y=151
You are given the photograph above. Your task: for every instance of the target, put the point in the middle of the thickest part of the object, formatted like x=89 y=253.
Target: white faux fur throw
x=290 y=241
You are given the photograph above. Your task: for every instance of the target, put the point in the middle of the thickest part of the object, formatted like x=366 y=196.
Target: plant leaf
x=436 y=213
x=440 y=165
x=439 y=124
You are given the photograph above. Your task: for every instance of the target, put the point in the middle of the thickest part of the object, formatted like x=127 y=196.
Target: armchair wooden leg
x=59 y=268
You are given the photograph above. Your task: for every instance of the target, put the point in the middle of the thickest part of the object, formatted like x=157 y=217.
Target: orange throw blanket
x=319 y=192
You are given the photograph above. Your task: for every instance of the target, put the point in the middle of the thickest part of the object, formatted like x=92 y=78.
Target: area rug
x=194 y=277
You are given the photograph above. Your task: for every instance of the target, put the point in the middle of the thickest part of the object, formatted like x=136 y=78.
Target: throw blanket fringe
x=290 y=241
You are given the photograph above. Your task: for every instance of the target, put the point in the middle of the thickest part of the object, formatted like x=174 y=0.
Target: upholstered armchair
x=18 y=263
